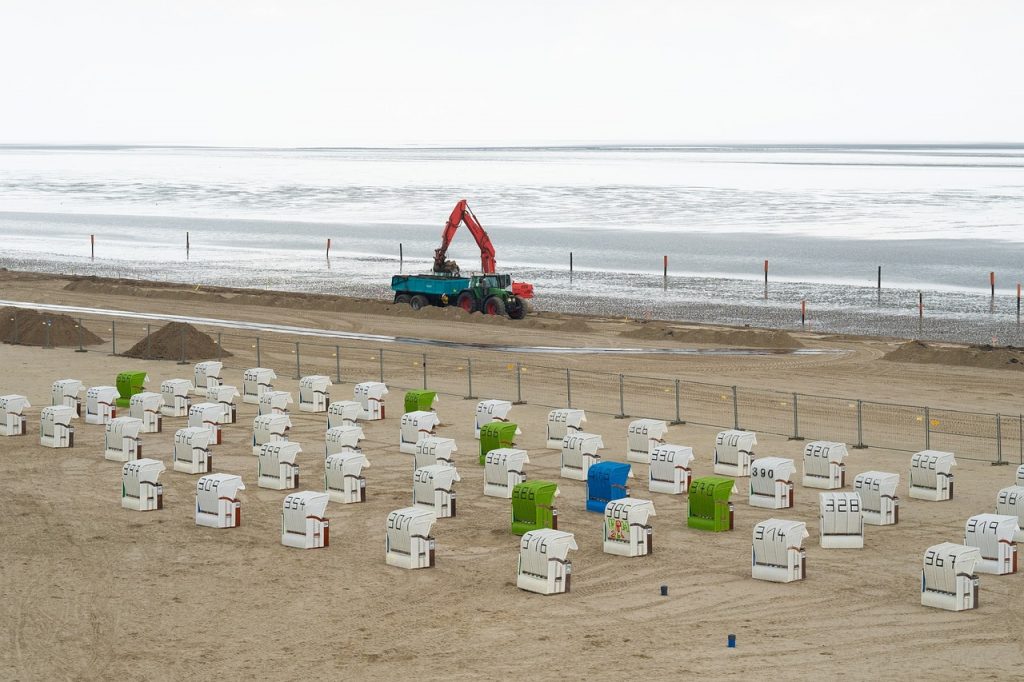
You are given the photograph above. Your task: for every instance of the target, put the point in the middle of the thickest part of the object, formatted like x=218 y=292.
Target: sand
x=988 y=357
x=29 y=327
x=177 y=341
x=93 y=591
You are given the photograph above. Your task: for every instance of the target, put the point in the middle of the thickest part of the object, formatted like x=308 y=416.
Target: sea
x=589 y=226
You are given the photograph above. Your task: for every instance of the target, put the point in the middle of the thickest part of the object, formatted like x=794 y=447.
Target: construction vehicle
x=488 y=292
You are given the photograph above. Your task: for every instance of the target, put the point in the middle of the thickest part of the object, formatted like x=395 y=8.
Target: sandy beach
x=94 y=591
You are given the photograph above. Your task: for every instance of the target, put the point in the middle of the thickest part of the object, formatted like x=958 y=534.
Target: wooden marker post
x=992 y=283
x=1018 y=302
x=766 y=279
x=879 y=283
x=92 y=247
x=570 y=266
x=401 y=257
x=328 y=248
x=920 y=310
x=803 y=313
x=665 y=274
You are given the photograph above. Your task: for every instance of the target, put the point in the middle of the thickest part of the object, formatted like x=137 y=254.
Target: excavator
x=488 y=292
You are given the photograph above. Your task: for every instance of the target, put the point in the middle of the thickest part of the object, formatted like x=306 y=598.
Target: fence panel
x=448 y=375
x=897 y=427
x=966 y=434
x=596 y=392
x=544 y=385
x=706 y=404
x=403 y=370
x=765 y=411
x=494 y=379
x=649 y=397
x=822 y=418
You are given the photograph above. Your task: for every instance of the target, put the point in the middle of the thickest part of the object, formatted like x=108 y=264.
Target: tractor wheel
x=419 y=301
x=466 y=301
x=516 y=308
x=402 y=298
x=494 y=306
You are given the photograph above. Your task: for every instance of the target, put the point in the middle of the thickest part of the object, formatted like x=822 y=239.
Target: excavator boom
x=462 y=214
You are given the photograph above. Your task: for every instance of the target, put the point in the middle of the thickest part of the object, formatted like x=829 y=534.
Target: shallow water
x=936 y=219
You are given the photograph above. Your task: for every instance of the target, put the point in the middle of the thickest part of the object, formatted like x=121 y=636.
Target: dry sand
x=94 y=591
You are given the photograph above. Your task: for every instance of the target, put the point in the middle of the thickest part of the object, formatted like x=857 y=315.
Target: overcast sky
x=329 y=72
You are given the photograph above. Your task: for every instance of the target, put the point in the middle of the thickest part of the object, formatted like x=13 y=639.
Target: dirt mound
x=746 y=338
x=985 y=357
x=29 y=328
x=177 y=341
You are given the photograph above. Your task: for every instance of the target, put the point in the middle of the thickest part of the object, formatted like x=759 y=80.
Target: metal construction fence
x=998 y=438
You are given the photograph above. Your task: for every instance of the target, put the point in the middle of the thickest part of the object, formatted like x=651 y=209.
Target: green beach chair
x=533 y=506
x=708 y=504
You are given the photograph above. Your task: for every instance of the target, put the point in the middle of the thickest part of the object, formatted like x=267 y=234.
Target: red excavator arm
x=461 y=214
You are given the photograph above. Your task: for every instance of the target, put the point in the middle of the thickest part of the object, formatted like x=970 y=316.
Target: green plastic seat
x=420 y=401
x=128 y=384
x=533 y=506
x=494 y=435
x=708 y=504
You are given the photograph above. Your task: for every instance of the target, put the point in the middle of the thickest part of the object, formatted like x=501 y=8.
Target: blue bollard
x=732 y=641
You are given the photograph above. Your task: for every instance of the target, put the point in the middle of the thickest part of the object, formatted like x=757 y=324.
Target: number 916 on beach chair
x=544 y=566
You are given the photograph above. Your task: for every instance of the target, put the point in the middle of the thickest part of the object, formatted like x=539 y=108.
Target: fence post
x=622 y=399
x=927 y=429
x=568 y=388
x=735 y=409
x=80 y=348
x=796 y=420
x=860 y=425
x=258 y=363
x=469 y=378
x=298 y=361
x=181 y=338
x=424 y=371
x=337 y=364
x=113 y=337
x=679 y=419
x=519 y=384
x=381 y=358
x=999 y=442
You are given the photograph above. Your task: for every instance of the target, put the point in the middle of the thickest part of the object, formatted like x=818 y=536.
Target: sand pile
x=985 y=357
x=745 y=338
x=177 y=341
x=28 y=327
